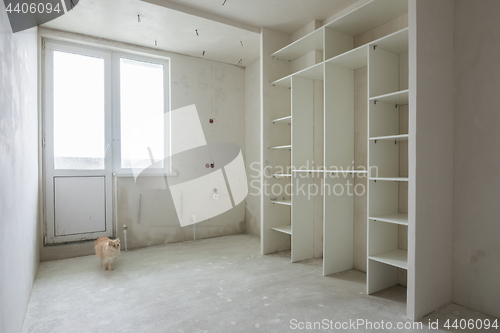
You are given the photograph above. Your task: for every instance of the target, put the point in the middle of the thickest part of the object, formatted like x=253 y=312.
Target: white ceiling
x=282 y=15
x=172 y=23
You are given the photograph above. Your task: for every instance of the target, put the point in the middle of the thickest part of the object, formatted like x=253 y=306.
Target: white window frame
x=114 y=99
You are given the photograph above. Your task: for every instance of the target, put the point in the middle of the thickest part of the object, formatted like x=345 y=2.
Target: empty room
x=249 y=166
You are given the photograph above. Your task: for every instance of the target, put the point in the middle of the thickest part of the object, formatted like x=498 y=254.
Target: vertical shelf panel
x=338 y=231
x=339 y=117
x=302 y=156
x=302 y=126
x=302 y=218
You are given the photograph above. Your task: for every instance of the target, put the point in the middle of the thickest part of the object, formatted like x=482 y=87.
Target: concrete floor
x=214 y=285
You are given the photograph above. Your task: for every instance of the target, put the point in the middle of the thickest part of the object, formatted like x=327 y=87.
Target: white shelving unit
x=332 y=58
x=388 y=161
x=339 y=60
x=331 y=54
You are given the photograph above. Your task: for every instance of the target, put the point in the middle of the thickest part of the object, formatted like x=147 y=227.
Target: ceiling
x=201 y=28
x=282 y=15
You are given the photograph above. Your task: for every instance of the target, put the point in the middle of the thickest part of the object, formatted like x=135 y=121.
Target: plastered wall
x=252 y=147
x=218 y=91
x=476 y=229
x=19 y=237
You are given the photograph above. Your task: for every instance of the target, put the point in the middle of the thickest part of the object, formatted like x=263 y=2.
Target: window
x=78 y=111
x=138 y=99
x=142 y=124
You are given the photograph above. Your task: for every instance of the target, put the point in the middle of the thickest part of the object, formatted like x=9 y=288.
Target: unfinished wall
x=218 y=90
x=252 y=147
x=19 y=241
x=476 y=257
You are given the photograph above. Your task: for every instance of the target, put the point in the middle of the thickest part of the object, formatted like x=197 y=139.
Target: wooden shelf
x=352 y=59
x=281 y=175
x=397 y=218
x=396 y=42
x=284 y=120
x=398 y=97
x=397 y=258
x=286 y=229
x=346 y=171
x=369 y=16
x=281 y=147
x=283 y=82
x=393 y=179
x=312 y=41
x=282 y=202
x=399 y=137
x=314 y=72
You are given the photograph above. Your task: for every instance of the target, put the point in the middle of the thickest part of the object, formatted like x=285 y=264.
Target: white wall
x=252 y=146
x=476 y=234
x=218 y=90
x=19 y=237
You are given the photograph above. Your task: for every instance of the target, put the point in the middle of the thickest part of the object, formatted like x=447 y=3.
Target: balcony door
x=77 y=143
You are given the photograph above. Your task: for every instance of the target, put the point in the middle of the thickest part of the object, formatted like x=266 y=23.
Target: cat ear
x=110 y=242
x=118 y=240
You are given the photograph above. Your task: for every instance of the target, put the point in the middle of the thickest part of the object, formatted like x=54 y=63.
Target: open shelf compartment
x=310 y=42
x=286 y=229
x=397 y=258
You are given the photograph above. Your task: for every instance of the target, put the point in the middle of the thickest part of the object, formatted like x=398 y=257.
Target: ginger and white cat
x=107 y=249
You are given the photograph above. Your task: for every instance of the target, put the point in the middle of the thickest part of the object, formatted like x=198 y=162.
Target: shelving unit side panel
x=384 y=71
x=302 y=218
x=339 y=117
x=302 y=125
x=380 y=276
x=336 y=43
x=338 y=242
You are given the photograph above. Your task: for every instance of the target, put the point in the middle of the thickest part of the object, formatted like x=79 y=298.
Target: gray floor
x=215 y=285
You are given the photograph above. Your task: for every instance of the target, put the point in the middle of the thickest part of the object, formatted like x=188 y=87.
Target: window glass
x=78 y=111
x=141 y=113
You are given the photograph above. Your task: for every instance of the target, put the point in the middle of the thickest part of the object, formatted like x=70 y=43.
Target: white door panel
x=80 y=205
